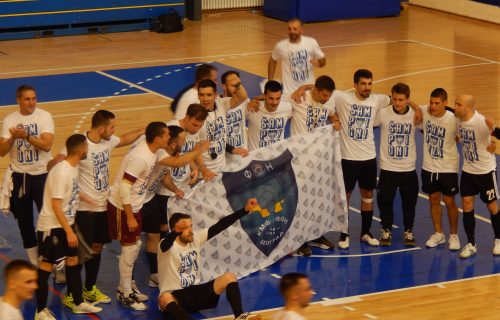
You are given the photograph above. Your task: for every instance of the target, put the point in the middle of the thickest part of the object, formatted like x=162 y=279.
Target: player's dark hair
x=439 y=93
x=196 y=110
x=226 y=74
x=154 y=129
x=15 y=266
x=22 y=88
x=362 y=73
x=207 y=83
x=296 y=20
x=401 y=88
x=290 y=280
x=102 y=118
x=272 y=86
x=74 y=142
x=324 y=83
x=203 y=71
x=174 y=132
x=175 y=218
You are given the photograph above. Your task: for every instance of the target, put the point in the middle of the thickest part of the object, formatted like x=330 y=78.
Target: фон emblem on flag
x=273 y=183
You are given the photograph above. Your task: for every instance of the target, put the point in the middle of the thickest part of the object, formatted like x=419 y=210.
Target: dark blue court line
x=63 y=87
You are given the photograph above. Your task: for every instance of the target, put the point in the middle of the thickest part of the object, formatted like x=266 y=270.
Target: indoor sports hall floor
x=135 y=75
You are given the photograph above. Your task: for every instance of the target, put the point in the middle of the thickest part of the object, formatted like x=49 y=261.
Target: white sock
x=126 y=266
x=32 y=255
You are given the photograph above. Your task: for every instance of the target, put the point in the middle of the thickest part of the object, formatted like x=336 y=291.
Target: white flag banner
x=299 y=185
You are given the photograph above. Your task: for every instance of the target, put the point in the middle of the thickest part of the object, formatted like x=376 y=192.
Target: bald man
x=478 y=171
x=298 y=55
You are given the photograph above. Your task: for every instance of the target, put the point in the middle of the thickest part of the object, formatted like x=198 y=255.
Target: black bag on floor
x=167 y=23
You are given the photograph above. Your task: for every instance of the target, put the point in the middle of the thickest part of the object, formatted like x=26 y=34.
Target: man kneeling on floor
x=178 y=269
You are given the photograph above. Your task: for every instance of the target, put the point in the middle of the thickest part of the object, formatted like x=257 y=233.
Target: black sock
x=495 y=223
x=152 y=261
x=92 y=270
x=469 y=226
x=233 y=296
x=43 y=289
x=366 y=221
x=496 y=133
x=74 y=282
x=174 y=311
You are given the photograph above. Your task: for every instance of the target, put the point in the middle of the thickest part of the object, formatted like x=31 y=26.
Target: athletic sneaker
x=496 y=248
x=435 y=239
x=304 y=250
x=386 y=238
x=83 y=307
x=132 y=302
x=249 y=316
x=322 y=243
x=468 y=251
x=369 y=239
x=138 y=293
x=344 y=241
x=454 y=242
x=410 y=238
x=45 y=314
x=153 y=280
x=95 y=295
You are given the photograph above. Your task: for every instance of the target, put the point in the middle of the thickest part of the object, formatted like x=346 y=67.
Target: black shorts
x=197 y=297
x=364 y=172
x=484 y=184
x=93 y=226
x=154 y=213
x=446 y=183
x=53 y=246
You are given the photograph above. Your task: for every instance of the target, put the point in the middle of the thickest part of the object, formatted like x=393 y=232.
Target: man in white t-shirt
x=397 y=158
x=440 y=166
x=297 y=292
x=126 y=199
x=311 y=109
x=267 y=125
x=178 y=180
x=298 y=55
x=190 y=94
x=357 y=112
x=179 y=262
x=214 y=129
x=478 y=171
x=27 y=137
x=57 y=240
x=93 y=179
x=20 y=279
x=235 y=118
x=154 y=210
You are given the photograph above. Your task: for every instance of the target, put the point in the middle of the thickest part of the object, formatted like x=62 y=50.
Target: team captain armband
x=125 y=188
x=129 y=178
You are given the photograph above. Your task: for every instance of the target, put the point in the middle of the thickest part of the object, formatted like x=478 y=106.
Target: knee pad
x=367 y=200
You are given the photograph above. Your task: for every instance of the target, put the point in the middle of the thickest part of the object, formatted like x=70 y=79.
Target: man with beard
x=154 y=211
x=297 y=292
x=299 y=55
x=125 y=202
x=267 y=125
x=178 y=265
x=93 y=179
x=57 y=241
x=20 y=284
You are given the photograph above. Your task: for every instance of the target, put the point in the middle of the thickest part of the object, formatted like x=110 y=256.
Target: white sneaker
x=153 y=280
x=249 y=316
x=138 y=293
x=368 y=238
x=496 y=248
x=86 y=307
x=132 y=302
x=454 y=242
x=435 y=239
x=468 y=251
x=344 y=244
x=45 y=314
